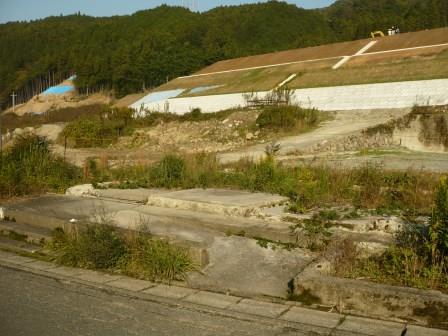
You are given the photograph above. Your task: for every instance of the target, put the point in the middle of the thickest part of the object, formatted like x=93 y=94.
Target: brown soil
x=44 y=103
x=148 y=145
x=296 y=55
x=407 y=40
x=130 y=99
x=410 y=40
x=397 y=55
x=244 y=81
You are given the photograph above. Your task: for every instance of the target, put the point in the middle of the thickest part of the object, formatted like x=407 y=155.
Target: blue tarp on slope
x=58 y=90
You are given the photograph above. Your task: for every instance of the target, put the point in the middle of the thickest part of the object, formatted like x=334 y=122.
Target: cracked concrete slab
x=314 y=317
x=215 y=300
x=240 y=266
x=260 y=308
x=171 y=292
x=130 y=284
x=40 y=265
x=97 y=277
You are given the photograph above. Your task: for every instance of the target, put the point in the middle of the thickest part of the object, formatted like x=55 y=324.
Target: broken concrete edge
x=366 y=298
x=197 y=252
x=239 y=307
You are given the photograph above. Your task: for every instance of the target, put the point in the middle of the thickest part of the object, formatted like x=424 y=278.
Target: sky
x=20 y=10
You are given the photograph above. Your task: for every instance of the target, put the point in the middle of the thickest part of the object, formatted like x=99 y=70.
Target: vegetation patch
x=288 y=118
x=30 y=167
x=137 y=254
x=418 y=259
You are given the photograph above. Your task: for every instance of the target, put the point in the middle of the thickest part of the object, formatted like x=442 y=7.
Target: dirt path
x=344 y=124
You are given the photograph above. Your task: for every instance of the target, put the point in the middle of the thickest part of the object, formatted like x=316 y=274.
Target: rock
x=225 y=121
x=18 y=132
x=249 y=136
x=235 y=134
x=82 y=191
x=2 y=213
x=391 y=224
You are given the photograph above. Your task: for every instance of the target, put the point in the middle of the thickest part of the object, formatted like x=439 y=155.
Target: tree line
x=140 y=51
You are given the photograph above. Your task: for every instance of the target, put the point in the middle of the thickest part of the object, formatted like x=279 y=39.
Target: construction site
x=380 y=106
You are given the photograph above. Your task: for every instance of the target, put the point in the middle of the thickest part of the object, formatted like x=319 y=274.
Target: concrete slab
x=213 y=299
x=240 y=266
x=130 y=284
x=365 y=326
x=97 y=277
x=313 y=317
x=15 y=259
x=40 y=265
x=217 y=201
x=170 y=292
x=65 y=271
x=131 y=195
x=226 y=197
x=420 y=331
x=260 y=308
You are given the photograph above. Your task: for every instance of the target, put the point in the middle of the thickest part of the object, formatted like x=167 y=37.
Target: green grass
x=29 y=167
x=100 y=246
x=308 y=187
x=407 y=69
x=287 y=118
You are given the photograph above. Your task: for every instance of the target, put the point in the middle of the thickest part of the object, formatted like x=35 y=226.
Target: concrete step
x=31 y=234
x=18 y=246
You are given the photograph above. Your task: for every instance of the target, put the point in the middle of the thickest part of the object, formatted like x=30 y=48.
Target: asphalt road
x=35 y=305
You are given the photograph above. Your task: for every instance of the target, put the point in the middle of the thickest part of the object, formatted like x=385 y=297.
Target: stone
x=249 y=136
x=2 y=213
x=82 y=190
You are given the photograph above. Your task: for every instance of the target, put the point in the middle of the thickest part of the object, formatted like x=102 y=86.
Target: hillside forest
x=132 y=53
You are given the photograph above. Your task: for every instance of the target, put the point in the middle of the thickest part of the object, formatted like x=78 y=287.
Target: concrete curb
x=283 y=312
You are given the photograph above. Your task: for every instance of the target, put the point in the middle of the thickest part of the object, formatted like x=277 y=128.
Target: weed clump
x=287 y=117
x=100 y=246
x=30 y=167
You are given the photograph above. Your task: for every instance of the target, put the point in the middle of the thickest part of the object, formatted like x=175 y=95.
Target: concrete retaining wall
x=352 y=97
x=373 y=299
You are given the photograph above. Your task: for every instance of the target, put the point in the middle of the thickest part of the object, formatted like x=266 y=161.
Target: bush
x=439 y=221
x=29 y=166
x=287 y=117
x=170 y=171
x=100 y=246
x=97 y=246
x=155 y=259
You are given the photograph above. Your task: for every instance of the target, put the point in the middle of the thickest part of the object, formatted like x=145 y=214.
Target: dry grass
x=413 y=68
x=245 y=81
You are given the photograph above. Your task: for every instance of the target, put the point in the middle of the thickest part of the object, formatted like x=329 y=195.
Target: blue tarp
x=204 y=88
x=58 y=90
x=159 y=96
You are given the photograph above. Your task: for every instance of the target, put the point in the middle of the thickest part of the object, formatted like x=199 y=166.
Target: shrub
x=100 y=246
x=439 y=220
x=170 y=172
x=97 y=246
x=29 y=166
x=287 y=117
x=155 y=259
x=83 y=133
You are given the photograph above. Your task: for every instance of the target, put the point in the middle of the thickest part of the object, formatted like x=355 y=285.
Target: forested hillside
x=129 y=53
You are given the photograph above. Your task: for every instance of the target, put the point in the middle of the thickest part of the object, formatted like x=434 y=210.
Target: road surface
x=34 y=305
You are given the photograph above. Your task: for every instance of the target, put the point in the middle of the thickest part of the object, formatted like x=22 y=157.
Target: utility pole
x=13 y=101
